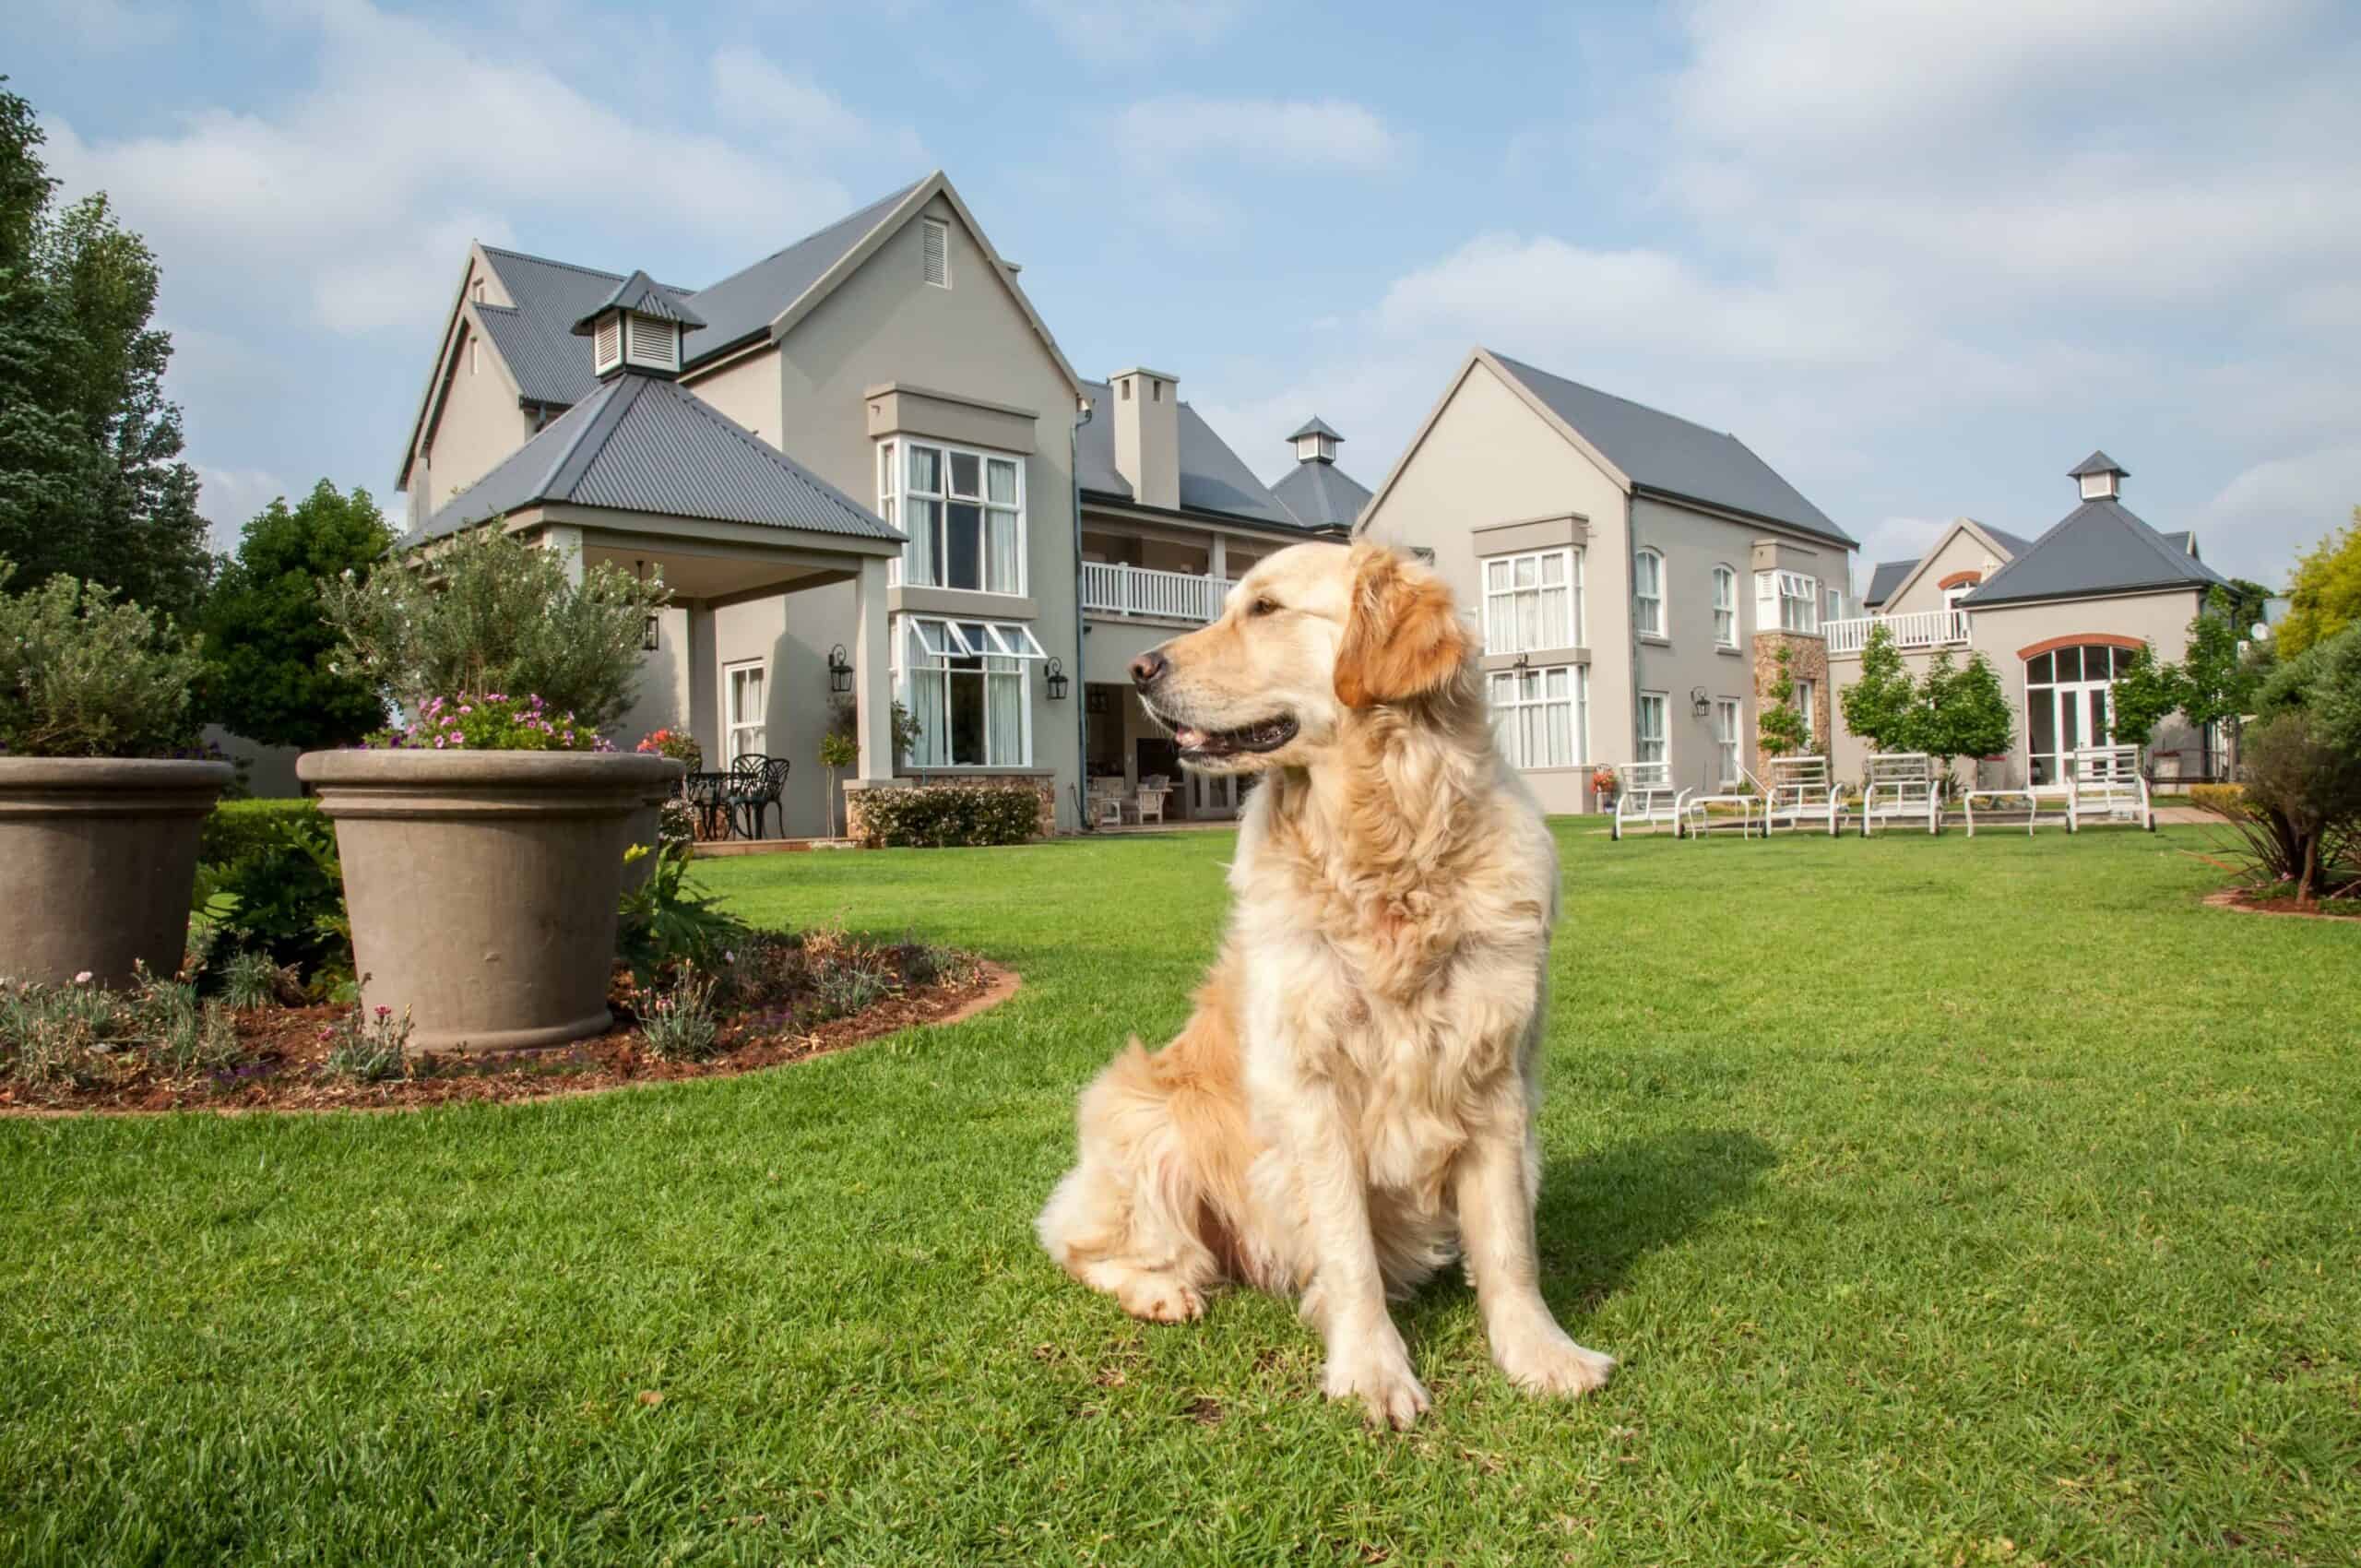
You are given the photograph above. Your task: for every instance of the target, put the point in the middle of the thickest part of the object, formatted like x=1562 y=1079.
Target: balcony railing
x=1916 y=632
x=1136 y=591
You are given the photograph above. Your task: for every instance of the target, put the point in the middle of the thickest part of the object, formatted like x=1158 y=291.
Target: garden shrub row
x=938 y=816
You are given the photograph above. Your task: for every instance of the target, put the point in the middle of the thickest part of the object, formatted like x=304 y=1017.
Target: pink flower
x=84 y=978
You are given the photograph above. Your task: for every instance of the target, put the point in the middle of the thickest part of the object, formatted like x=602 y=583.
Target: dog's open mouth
x=1266 y=736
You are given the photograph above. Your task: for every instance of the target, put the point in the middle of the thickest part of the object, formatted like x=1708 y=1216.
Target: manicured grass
x=1949 y=1202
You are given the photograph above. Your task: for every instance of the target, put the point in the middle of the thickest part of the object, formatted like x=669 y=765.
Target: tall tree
x=2144 y=695
x=1961 y=712
x=92 y=484
x=271 y=654
x=1878 y=705
x=2325 y=598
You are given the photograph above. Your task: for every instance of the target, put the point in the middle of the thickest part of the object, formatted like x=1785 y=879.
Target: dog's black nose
x=1146 y=668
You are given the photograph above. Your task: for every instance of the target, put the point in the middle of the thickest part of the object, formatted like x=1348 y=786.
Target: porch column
x=567 y=542
x=1219 y=565
x=872 y=691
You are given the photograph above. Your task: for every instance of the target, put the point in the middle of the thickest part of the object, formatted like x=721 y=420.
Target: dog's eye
x=1264 y=606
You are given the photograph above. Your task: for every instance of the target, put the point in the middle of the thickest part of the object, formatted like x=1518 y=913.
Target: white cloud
x=377 y=163
x=754 y=94
x=229 y=498
x=1281 y=135
x=2277 y=510
x=1113 y=33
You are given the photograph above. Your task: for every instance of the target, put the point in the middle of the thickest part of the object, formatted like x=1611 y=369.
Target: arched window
x=1724 y=606
x=2068 y=705
x=1647 y=593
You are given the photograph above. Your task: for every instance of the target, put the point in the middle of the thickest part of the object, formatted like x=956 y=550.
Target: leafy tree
x=487 y=613
x=2145 y=694
x=92 y=481
x=2326 y=595
x=1779 y=729
x=270 y=652
x=1961 y=712
x=1878 y=705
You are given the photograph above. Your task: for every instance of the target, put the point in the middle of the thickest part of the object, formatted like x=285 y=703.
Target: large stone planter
x=98 y=857
x=482 y=885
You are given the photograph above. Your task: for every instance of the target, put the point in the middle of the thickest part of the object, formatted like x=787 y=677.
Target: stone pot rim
x=463 y=769
x=113 y=772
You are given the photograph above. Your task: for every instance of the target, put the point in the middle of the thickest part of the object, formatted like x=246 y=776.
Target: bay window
x=1542 y=716
x=962 y=510
x=1534 y=601
x=1788 y=601
x=963 y=683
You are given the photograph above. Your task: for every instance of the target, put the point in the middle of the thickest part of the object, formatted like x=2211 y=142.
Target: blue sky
x=1923 y=258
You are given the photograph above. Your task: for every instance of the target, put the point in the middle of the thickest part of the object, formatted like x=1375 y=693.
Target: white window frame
x=1729 y=730
x=1641 y=599
x=731 y=726
x=896 y=489
x=1661 y=740
x=1501 y=592
x=1517 y=693
x=930 y=643
x=1725 y=605
x=1957 y=591
x=1787 y=601
x=1807 y=689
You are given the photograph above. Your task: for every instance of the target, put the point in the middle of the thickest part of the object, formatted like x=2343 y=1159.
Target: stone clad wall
x=1807 y=660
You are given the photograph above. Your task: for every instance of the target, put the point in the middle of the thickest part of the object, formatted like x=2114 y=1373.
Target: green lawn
x=1948 y=1201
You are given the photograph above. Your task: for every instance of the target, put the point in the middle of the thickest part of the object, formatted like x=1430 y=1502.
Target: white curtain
x=932 y=749
x=918 y=556
x=999 y=552
x=1003 y=713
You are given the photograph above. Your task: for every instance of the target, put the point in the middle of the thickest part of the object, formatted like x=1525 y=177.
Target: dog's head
x=1308 y=639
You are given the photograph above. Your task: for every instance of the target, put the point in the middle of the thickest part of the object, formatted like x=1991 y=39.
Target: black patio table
x=708 y=796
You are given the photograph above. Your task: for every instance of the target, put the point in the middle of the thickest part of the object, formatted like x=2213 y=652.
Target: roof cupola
x=2101 y=477
x=639 y=327
x=1314 y=441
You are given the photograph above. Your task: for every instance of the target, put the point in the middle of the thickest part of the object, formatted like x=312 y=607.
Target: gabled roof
x=536 y=334
x=1213 y=477
x=1885 y=580
x=1321 y=494
x=2184 y=542
x=641 y=293
x=2097 y=463
x=1315 y=425
x=2100 y=548
x=745 y=304
x=646 y=443
x=1884 y=589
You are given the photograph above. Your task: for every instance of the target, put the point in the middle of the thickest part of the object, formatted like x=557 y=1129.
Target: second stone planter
x=483 y=886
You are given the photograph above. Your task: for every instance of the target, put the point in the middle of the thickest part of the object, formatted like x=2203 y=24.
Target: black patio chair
x=757 y=785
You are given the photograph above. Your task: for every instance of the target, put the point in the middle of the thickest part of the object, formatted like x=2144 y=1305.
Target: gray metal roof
x=646 y=443
x=642 y=293
x=2099 y=547
x=1213 y=477
x=2096 y=463
x=1315 y=425
x=2184 y=542
x=1670 y=455
x=1886 y=578
x=1321 y=494
x=535 y=336
x=748 y=301
x=2016 y=544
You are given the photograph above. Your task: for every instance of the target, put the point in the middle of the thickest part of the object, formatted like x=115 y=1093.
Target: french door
x=2061 y=720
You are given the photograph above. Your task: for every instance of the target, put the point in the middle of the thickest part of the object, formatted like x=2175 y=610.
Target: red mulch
x=281 y=1051
x=2255 y=902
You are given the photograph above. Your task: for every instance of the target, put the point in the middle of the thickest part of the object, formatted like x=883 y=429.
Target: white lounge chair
x=1647 y=795
x=1697 y=812
x=1901 y=788
x=2109 y=786
x=1798 y=792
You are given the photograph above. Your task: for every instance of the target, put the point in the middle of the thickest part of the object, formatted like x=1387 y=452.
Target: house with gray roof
x=2059 y=617
x=870 y=477
x=1636 y=574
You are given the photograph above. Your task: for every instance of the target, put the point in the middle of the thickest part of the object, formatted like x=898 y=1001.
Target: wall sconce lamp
x=839 y=670
x=1053 y=675
x=1699 y=703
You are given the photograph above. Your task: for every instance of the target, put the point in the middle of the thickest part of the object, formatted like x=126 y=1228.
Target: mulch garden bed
x=281 y=1052
x=2263 y=901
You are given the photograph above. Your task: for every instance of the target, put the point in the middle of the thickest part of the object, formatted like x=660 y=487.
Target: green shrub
x=82 y=676
x=668 y=921
x=367 y=1047
x=490 y=613
x=2228 y=801
x=281 y=896
x=938 y=816
x=237 y=829
x=679 y=1024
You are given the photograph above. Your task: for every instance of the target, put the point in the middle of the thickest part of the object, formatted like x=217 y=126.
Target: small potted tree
x=103 y=794
x=482 y=838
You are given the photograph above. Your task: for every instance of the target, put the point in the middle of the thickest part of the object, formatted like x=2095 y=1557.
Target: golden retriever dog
x=1351 y=1105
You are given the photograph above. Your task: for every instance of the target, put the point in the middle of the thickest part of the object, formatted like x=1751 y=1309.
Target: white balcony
x=1136 y=591
x=1914 y=633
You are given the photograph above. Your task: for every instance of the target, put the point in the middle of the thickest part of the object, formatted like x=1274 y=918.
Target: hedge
x=2221 y=800
x=935 y=816
x=240 y=828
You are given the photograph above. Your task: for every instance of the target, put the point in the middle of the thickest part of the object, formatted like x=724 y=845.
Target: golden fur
x=1351 y=1105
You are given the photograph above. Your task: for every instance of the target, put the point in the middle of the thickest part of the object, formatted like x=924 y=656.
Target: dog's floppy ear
x=1404 y=639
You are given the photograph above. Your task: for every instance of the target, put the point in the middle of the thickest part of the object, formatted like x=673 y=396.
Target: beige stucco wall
x=482 y=424
x=1960 y=551
x=1488 y=458
x=885 y=323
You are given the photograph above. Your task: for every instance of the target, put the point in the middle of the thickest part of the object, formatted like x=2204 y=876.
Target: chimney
x=1148 y=434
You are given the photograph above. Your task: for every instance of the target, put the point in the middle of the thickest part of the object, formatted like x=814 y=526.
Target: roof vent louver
x=935 y=247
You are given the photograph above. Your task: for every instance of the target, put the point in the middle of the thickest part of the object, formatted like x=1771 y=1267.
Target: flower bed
x=778 y=998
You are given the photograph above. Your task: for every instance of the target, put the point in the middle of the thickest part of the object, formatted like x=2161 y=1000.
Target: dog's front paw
x=1389 y=1391
x=1542 y=1360
x=1161 y=1298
